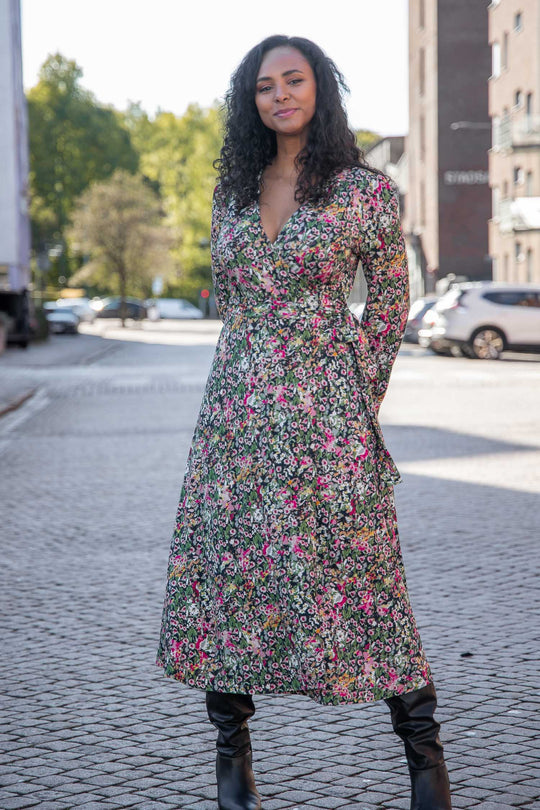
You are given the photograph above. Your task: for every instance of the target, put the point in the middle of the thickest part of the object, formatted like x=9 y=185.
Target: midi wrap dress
x=285 y=572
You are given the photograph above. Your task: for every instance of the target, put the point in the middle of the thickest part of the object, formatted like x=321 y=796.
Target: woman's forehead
x=281 y=60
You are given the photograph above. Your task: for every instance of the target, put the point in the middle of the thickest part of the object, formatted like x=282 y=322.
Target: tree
x=118 y=224
x=176 y=155
x=73 y=142
x=365 y=138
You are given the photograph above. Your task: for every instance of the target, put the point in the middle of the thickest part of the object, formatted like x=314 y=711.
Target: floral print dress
x=285 y=572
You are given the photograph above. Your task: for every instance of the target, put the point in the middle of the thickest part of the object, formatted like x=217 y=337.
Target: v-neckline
x=283 y=227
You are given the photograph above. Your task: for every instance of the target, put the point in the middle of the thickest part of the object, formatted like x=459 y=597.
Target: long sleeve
x=384 y=262
x=219 y=279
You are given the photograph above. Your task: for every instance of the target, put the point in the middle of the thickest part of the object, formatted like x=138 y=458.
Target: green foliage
x=73 y=141
x=176 y=154
x=365 y=138
x=118 y=225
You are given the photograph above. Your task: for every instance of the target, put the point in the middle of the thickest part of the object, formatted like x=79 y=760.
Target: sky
x=167 y=54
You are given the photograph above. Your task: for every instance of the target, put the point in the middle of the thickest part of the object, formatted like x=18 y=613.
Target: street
x=92 y=464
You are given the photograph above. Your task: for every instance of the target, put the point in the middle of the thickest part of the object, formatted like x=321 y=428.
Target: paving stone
x=19 y=801
x=97 y=725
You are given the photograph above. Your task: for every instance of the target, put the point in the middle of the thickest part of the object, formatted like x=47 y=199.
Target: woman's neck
x=288 y=148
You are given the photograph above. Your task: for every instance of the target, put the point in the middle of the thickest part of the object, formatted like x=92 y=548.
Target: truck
x=15 y=240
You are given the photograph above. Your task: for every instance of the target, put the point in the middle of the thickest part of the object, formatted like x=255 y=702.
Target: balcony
x=521 y=214
x=517 y=134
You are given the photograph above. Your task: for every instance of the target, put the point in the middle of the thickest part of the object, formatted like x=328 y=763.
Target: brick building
x=514 y=158
x=448 y=202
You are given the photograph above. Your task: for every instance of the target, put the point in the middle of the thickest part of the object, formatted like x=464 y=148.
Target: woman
x=285 y=572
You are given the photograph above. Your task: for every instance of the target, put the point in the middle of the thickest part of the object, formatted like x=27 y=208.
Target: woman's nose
x=281 y=93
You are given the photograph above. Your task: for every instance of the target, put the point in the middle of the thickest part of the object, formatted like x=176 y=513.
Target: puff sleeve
x=219 y=278
x=384 y=263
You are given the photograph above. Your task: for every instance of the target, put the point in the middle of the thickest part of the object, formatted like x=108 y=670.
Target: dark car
x=133 y=308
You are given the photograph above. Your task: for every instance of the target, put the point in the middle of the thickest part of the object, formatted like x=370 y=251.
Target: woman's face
x=286 y=91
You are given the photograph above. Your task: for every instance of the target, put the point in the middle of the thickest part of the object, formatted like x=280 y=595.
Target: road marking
x=12 y=421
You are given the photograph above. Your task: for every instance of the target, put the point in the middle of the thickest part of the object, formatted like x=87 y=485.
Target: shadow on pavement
x=416 y=443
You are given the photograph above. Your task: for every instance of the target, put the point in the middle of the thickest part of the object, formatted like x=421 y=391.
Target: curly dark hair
x=249 y=146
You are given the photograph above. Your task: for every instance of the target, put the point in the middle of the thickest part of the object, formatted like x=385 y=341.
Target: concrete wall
x=514 y=158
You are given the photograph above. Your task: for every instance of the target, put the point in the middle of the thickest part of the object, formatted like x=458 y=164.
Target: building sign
x=471 y=177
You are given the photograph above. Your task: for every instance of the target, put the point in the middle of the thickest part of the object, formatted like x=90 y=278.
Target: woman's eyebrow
x=286 y=73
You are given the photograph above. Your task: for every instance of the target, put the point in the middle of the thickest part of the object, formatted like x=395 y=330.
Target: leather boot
x=413 y=721
x=229 y=713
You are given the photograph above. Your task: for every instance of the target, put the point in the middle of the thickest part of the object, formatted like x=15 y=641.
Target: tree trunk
x=123 y=296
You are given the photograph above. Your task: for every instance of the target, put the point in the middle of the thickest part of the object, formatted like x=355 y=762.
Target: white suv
x=483 y=319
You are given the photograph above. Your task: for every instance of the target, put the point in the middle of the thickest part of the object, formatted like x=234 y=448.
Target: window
x=495 y=200
x=513 y=298
x=422 y=14
x=519 y=176
x=495 y=60
x=422 y=204
x=530 y=270
x=504 y=54
x=529 y=185
x=422 y=71
x=505 y=140
x=496 y=131
x=518 y=99
x=518 y=254
x=518 y=21
x=529 y=105
x=422 y=138
x=505 y=190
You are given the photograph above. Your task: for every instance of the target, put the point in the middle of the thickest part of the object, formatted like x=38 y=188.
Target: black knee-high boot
x=412 y=719
x=229 y=713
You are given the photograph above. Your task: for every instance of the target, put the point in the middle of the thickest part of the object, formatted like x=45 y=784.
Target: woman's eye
x=295 y=81
x=264 y=89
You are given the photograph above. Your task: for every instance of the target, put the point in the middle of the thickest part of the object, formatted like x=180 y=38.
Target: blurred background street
x=107 y=330
x=93 y=463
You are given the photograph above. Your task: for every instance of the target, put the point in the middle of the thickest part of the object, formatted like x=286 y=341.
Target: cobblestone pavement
x=91 y=472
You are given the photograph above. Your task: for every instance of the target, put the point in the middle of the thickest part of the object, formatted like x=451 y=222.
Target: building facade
x=390 y=155
x=448 y=201
x=514 y=157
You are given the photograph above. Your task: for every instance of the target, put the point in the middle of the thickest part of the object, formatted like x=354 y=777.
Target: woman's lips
x=285 y=113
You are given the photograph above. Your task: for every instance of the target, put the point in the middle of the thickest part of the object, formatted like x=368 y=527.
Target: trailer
x=14 y=159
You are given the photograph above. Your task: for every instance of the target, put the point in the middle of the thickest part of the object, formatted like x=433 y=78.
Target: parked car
x=172 y=308
x=483 y=319
x=80 y=306
x=61 y=320
x=418 y=310
x=134 y=308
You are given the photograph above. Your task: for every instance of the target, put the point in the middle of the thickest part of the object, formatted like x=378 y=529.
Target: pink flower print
x=369 y=664
x=330 y=441
x=366 y=603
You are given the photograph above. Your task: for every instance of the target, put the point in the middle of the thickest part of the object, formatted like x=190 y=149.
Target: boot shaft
x=229 y=713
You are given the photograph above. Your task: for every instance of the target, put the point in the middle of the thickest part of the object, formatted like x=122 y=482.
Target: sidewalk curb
x=16 y=403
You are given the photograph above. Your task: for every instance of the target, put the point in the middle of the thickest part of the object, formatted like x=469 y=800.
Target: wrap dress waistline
x=332 y=317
